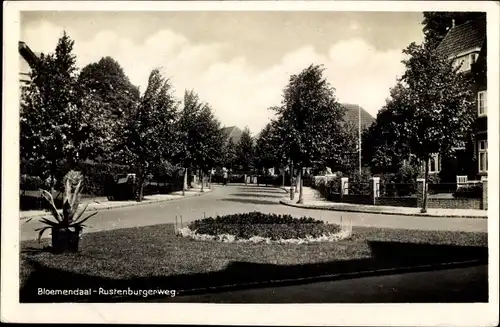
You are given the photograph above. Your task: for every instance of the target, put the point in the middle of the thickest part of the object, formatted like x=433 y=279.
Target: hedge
x=469 y=191
x=99 y=180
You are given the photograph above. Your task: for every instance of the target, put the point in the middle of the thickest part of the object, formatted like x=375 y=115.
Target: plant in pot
x=69 y=224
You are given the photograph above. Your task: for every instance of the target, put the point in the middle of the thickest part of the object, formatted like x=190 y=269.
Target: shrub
x=270 y=180
x=401 y=183
x=237 y=178
x=407 y=174
x=36 y=202
x=469 y=191
x=360 y=183
x=30 y=183
x=247 y=225
x=328 y=188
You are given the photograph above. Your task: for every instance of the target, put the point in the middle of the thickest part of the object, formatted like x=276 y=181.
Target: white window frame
x=482 y=149
x=483 y=105
x=467 y=59
x=437 y=160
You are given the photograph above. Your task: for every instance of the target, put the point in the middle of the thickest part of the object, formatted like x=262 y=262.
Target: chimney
x=452 y=23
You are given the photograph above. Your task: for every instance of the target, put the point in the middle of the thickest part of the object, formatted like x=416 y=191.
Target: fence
x=397 y=189
x=442 y=195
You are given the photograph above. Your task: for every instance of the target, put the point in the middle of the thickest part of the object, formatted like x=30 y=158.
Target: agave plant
x=68 y=219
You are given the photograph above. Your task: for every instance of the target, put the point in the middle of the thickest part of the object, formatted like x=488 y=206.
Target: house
x=232 y=133
x=361 y=120
x=28 y=59
x=353 y=114
x=465 y=44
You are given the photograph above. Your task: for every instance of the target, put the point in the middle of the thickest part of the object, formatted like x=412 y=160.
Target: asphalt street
x=240 y=198
x=458 y=285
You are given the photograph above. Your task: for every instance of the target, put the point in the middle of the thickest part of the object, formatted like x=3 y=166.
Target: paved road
x=240 y=198
x=447 y=286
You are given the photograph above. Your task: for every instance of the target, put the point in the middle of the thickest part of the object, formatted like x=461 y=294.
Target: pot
x=65 y=239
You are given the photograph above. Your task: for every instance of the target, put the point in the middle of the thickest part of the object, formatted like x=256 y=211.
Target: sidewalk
x=106 y=204
x=312 y=200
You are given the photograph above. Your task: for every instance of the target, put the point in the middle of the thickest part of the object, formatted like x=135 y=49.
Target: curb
x=346 y=209
x=334 y=277
x=131 y=204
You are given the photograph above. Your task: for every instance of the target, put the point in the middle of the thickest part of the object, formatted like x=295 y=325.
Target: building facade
x=465 y=44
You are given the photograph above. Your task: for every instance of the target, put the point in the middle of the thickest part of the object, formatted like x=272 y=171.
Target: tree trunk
x=202 y=181
x=283 y=181
x=184 y=182
x=299 y=175
x=292 y=193
x=140 y=188
x=301 y=192
x=210 y=179
x=426 y=186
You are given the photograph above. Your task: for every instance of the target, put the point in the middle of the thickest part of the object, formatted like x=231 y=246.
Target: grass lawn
x=153 y=257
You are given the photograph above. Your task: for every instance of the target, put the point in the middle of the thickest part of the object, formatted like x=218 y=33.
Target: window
x=466 y=61
x=481 y=103
x=483 y=156
x=434 y=163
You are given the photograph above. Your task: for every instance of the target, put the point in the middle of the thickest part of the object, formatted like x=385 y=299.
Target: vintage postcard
x=263 y=163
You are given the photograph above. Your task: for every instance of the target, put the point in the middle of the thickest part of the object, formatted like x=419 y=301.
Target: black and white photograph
x=264 y=154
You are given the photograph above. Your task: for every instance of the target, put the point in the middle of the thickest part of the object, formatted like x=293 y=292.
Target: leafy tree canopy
x=311 y=119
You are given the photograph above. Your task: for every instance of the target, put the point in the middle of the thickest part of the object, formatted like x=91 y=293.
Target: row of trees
x=68 y=117
x=430 y=110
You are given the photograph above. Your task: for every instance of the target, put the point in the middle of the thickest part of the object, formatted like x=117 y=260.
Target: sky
x=239 y=62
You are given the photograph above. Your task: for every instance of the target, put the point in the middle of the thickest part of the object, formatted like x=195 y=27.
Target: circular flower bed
x=258 y=227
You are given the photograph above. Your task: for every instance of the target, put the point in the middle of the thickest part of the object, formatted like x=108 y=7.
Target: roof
x=352 y=115
x=233 y=133
x=464 y=37
x=28 y=55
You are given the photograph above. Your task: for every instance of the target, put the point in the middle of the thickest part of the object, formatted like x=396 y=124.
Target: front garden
x=400 y=189
x=157 y=257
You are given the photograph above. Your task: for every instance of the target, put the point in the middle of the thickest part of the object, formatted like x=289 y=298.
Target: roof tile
x=464 y=37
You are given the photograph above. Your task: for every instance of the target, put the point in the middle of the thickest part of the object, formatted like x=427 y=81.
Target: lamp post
x=359 y=137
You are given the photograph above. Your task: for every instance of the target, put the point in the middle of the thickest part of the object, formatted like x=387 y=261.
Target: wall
x=397 y=202
x=454 y=203
x=357 y=199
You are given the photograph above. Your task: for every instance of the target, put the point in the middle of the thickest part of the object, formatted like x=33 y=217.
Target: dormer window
x=465 y=62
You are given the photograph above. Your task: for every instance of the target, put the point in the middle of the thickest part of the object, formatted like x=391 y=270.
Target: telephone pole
x=359 y=137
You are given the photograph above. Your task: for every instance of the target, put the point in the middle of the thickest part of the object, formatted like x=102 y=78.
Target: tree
x=438 y=107
x=437 y=24
x=188 y=134
x=311 y=121
x=152 y=135
x=349 y=160
x=269 y=150
x=266 y=152
x=118 y=98
x=384 y=144
x=229 y=155
x=209 y=141
x=245 y=151
x=55 y=129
